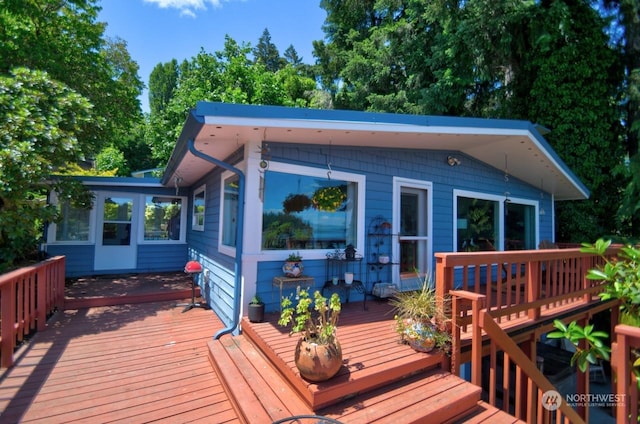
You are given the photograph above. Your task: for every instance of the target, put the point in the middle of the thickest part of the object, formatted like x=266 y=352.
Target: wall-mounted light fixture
x=453 y=161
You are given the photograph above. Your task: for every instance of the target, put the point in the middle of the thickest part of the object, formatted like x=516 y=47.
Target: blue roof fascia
x=293 y=113
x=232 y=110
x=191 y=128
x=112 y=181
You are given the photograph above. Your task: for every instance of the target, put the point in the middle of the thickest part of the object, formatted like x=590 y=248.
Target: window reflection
x=305 y=212
x=162 y=217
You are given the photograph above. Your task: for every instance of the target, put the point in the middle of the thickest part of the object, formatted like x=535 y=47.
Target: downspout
x=237 y=293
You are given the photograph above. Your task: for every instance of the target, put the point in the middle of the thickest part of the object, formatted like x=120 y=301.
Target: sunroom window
x=162 y=218
x=199 y=207
x=74 y=224
x=312 y=211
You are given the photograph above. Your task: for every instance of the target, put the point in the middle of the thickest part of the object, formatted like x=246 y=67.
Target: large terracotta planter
x=318 y=362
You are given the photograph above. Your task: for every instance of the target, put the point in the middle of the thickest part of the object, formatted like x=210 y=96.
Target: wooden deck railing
x=626 y=338
x=27 y=297
x=519 y=277
x=494 y=294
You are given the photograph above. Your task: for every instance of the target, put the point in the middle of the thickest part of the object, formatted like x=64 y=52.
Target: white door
x=116 y=229
x=412 y=224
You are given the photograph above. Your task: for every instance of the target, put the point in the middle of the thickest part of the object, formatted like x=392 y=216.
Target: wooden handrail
x=536 y=381
x=626 y=338
x=28 y=296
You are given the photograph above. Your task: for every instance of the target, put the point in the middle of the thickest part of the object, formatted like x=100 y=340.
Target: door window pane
x=116 y=227
x=520 y=227
x=477 y=224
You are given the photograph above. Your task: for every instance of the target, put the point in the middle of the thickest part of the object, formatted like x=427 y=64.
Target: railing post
x=42 y=298
x=444 y=281
x=533 y=287
x=8 y=309
x=476 y=340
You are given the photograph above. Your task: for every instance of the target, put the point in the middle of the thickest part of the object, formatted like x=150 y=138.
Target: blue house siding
x=380 y=166
x=79 y=258
x=218 y=280
x=161 y=257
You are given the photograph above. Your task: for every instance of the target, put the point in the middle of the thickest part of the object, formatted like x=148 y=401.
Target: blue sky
x=157 y=31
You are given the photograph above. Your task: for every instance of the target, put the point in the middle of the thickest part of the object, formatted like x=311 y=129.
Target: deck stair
x=265 y=390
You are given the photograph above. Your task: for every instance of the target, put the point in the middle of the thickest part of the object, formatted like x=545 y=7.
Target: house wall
x=157 y=257
x=379 y=166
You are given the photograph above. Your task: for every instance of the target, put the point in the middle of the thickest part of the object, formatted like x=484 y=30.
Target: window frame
x=183 y=218
x=195 y=226
x=307 y=171
x=224 y=248
x=501 y=221
x=52 y=227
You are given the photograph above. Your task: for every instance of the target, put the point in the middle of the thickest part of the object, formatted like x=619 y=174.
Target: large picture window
x=494 y=223
x=303 y=212
x=162 y=218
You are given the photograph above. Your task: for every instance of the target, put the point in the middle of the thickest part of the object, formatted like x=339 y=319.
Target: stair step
x=257 y=391
x=485 y=413
x=260 y=394
x=435 y=395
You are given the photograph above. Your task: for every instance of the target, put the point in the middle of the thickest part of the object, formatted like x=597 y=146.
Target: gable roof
x=219 y=129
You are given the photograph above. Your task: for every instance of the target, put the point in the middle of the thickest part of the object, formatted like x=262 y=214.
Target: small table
x=281 y=280
x=346 y=288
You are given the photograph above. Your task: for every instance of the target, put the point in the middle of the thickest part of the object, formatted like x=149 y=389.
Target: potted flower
x=256 y=309
x=420 y=320
x=318 y=354
x=293 y=266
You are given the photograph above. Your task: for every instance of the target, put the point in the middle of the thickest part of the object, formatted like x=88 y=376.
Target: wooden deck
x=152 y=362
x=130 y=363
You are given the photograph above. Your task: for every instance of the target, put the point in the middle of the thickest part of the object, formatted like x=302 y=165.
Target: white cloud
x=186 y=7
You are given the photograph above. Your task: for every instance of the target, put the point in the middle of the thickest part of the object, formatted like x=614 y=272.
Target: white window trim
x=398 y=184
x=223 y=248
x=51 y=228
x=500 y=200
x=194 y=225
x=312 y=254
x=183 y=219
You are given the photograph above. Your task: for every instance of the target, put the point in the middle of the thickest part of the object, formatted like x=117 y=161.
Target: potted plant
x=420 y=320
x=318 y=354
x=256 y=309
x=293 y=265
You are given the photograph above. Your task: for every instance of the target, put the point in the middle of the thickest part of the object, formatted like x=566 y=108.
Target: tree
x=63 y=38
x=41 y=128
x=162 y=84
x=547 y=62
x=227 y=76
x=66 y=91
x=267 y=53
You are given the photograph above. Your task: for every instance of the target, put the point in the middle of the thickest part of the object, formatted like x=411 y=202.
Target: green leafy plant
x=622 y=275
x=294 y=257
x=255 y=300
x=596 y=348
x=419 y=315
x=315 y=318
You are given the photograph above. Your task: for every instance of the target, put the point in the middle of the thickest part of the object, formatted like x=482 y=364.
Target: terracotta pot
x=318 y=362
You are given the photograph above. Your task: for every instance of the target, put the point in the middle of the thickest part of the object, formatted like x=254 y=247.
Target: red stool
x=194 y=268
